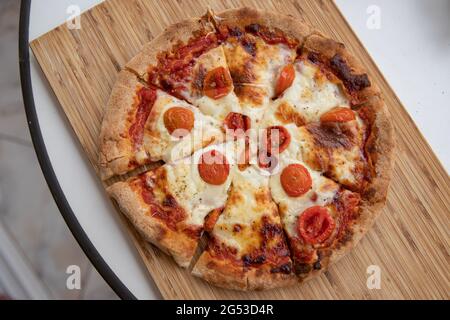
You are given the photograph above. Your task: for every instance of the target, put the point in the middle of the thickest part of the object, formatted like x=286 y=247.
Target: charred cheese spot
x=353 y=82
x=320 y=78
x=330 y=136
x=254 y=64
x=249 y=45
x=337 y=151
x=198 y=79
x=240 y=63
x=250 y=95
x=261 y=196
x=287 y=114
x=235 y=198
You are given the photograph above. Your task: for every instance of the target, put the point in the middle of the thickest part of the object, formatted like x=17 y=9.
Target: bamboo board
x=410 y=242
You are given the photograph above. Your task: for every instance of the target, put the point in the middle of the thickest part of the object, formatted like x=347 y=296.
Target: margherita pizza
x=269 y=140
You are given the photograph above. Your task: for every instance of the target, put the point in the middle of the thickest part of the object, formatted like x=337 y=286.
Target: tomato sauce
x=273 y=37
x=147 y=98
x=168 y=211
x=176 y=67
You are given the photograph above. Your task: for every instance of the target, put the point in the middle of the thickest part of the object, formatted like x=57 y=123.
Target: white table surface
x=411 y=47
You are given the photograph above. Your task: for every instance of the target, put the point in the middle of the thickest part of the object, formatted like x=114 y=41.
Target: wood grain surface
x=410 y=242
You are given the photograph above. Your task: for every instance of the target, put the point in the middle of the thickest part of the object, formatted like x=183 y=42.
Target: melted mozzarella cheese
x=278 y=57
x=262 y=71
x=343 y=162
x=192 y=192
x=248 y=202
x=220 y=108
x=311 y=93
x=161 y=145
x=323 y=192
x=217 y=108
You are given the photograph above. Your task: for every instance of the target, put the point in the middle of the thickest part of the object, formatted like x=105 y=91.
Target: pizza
x=270 y=148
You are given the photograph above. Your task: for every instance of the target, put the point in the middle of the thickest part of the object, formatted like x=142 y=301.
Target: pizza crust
x=177 y=33
x=176 y=244
x=258 y=279
x=115 y=151
x=224 y=274
x=380 y=147
x=219 y=272
x=242 y=17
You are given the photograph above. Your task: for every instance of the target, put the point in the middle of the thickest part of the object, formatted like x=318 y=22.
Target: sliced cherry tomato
x=296 y=180
x=338 y=114
x=285 y=80
x=237 y=123
x=217 y=83
x=278 y=139
x=315 y=225
x=214 y=168
x=179 y=121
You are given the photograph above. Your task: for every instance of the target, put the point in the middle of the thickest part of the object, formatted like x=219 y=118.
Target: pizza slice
x=334 y=145
x=310 y=93
x=323 y=77
x=259 y=47
x=317 y=215
x=144 y=124
x=247 y=249
x=169 y=205
x=195 y=70
x=174 y=129
x=254 y=63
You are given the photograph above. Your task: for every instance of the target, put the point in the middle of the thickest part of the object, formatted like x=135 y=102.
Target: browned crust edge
x=263 y=279
x=165 y=42
x=327 y=49
x=115 y=152
x=219 y=272
x=224 y=274
x=242 y=17
x=178 y=245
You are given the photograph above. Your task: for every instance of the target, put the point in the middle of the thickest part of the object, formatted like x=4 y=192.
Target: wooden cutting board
x=411 y=240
